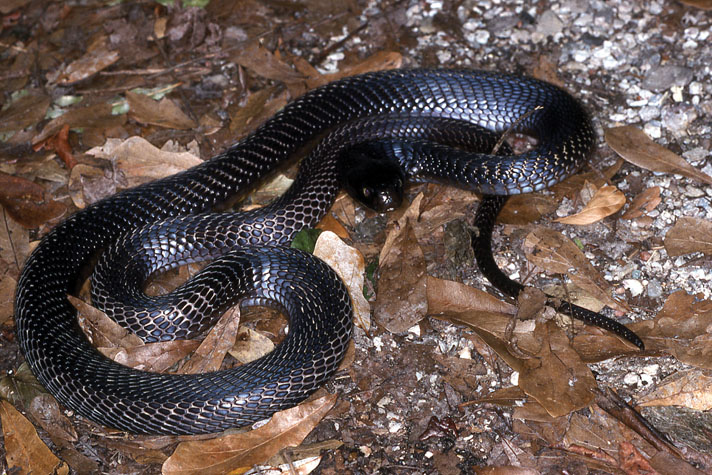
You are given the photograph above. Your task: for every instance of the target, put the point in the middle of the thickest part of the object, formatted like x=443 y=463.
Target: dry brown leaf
x=644 y=203
x=525 y=209
x=703 y=4
x=46 y=411
x=25 y=111
x=554 y=252
x=442 y=204
x=573 y=185
x=689 y=235
x=163 y=113
x=88 y=184
x=250 y=345
x=94 y=115
x=329 y=223
x=691 y=388
x=401 y=300
x=27 y=203
x=683 y=329
x=348 y=263
x=635 y=146
x=7 y=297
x=140 y=161
x=236 y=453
x=607 y=201
x=156 y=357
x=257 y=110
x=379 y=61
x=211 y=352
x=266 y=64
x=14 y=245
x=97 y=58
x=507 y=470
x=555 y=376
x=25 y=452
x=446 y=297
x=101 y=330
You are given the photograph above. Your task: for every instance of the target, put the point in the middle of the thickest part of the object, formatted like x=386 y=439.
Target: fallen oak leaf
x=644 y=202
x=25 y=452
x=27 y=203
x=236 y=453
x=163 y=113
x=635 y=146
x=141 y=161
x=689 y=235
x=401 y=300
x=220 y=339
x=97 y=58
x=607 y=201
x=59 y=143
x=350 y=266
x=554 y=252
x=691 y=388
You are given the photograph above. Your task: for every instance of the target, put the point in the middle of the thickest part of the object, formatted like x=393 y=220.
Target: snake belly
x=172 y=214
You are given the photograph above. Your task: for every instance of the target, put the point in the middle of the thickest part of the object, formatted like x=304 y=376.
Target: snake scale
x=172 y=221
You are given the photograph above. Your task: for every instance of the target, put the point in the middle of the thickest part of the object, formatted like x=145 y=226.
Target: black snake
x=169 y=222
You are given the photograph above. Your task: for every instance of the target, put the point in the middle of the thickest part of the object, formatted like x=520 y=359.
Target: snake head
x=372 y=177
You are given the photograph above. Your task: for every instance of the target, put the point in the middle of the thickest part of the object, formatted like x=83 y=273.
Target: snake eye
x=366 y=192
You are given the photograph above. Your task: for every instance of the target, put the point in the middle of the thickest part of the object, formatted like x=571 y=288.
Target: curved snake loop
x=172 y=214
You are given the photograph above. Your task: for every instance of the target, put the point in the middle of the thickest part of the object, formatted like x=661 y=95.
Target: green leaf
x=306 y=239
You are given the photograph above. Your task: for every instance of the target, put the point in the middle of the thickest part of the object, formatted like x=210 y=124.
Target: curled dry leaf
x=157 y=357
x=98 y=58
x=7 y=297
x=401 y=300
x=101 y=330
x=27 y=203
x=683 y=329
x=554 y=252
x=88 y=184
x=703 y=4
x=14 y=245
x=59 y=143
x=25 y=111
x=691 y=388
x=259 y=108
x=266 y=64
x=163 y=113
x=236 y=453
x=349 y=265
x=140 y=161
x=555 y=376
x=572 y=186
x=211 y=352
x=25 y=452
x=644 y=203
x=689 y=235
x=91 y=116
x=636 y=147
x=607 y=201
x=250 y=345
x=45 y=410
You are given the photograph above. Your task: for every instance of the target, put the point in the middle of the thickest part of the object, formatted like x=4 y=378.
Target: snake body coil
x=169 y=222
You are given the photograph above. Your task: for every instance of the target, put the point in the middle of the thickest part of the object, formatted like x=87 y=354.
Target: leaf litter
x=415 y=368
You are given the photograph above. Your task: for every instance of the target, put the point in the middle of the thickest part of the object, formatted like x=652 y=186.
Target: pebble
x=634 y=286
x=664 y=77
x=655 y=290
x=549 y=24
x=677 y=119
